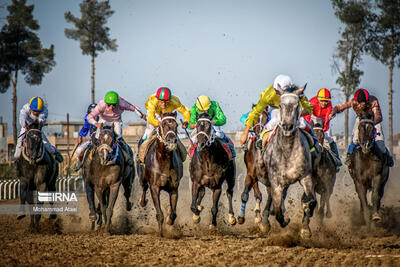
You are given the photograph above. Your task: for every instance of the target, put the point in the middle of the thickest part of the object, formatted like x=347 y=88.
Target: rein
x=25 y=155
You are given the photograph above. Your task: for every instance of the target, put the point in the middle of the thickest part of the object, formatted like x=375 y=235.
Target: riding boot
x=349 y=154
x=334 y=149
x=390 y=161
x=140 y=142
x=127 y=151
x=58 y=156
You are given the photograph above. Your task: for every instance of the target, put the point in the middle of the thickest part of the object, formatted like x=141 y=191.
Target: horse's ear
x=279 y=90
x=174 y=114
x=300 y=91
x=197 y=115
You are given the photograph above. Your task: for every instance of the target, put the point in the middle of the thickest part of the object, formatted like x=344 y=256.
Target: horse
x=37 y=169
x=288 y=159
x=210 y=167
x=103 y=174
x=368 y=172
x=325 y=175
x=255 y=168
x=163 y=169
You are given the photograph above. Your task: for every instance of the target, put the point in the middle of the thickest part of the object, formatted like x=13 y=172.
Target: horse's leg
x=277 y=198
x=173 y=199
x=155 y=194
x=90 y=198
x=101 y=198
x=362 y=195
x=258 y=197
x=230 y=179
x=195 y=207
x=111 y=202
x=309 y=203
x=214 y=209
x=52 y=188
x=145 y=186
x=248 y=183
x=41 y=188
x=265 y=226
x=127 y=183
x=23 y=197
x=321 y=210
x=377 y=194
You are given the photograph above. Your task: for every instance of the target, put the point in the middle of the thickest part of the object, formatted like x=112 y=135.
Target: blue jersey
x=86 y=128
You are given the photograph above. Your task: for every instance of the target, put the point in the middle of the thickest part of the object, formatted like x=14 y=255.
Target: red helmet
x=163 y=93
x=361 y=95
x=324 y=95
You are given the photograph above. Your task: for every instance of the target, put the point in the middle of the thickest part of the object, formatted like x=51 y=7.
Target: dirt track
x=341 y=241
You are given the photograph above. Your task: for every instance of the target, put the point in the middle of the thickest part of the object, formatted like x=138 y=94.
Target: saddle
x=224 y=143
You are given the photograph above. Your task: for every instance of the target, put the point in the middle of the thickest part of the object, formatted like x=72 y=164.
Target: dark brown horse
x=103 y=174
x=368 y=171
x=255 y=169
x=325 y=175
x=210 y=167
x=37 y=170
x=163 y=169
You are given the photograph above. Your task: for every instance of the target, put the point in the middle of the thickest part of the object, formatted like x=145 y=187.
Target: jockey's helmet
x=111 y=98
x=91 y=107
x=36 y=104
x=284 y=81
x=361 y=95
x=163 y=93
x=324 y=95
x=203 y=103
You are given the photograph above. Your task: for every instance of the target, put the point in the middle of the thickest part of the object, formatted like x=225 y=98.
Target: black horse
x=104 y=171
x=37 y=170
x=210 y=167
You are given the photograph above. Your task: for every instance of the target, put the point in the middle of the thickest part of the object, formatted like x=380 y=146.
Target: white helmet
x=284 y=81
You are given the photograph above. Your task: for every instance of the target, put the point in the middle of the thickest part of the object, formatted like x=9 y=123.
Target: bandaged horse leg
x=309 y=203
x=248 y=183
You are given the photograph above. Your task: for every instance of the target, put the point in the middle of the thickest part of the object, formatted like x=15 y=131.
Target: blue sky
x=229 y=50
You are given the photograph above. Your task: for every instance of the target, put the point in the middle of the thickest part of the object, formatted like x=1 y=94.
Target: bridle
x=210 y=137
x=107 y=147
x=160 y=132
x=296 y=119
x=41 y=155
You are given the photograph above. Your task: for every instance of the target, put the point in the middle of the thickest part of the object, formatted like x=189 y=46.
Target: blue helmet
x=91 y=107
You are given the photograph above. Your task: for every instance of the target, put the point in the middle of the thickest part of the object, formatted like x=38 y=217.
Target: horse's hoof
x=92 y=217
x=19 y=217
x=232 y=219
x=196 y=218
x=200 y=208
x=328 y=214
x=128 y=206
x=305 y=233
x=264 y=228
x=240 y=220
x=143 y=203
x=376 y=217
x=258 y=218
x=169 y=220
x=211 y=227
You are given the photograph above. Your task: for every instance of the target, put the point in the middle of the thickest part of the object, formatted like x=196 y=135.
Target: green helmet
x=111 y=98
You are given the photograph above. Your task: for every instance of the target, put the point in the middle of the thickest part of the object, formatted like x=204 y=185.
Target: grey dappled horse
x=288 y=159
x=368 y=171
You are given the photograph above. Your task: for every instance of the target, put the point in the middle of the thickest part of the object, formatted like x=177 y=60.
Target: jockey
x=30 y=112
x=85 y=130
x=109 y=113
x=322 y=108
x=269 y=97
x=363 y=103
x=160 y=103
x=218 y=119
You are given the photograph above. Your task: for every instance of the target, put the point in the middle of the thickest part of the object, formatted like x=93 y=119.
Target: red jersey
x=320 y=112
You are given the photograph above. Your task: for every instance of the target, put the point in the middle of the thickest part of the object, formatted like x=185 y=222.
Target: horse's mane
x=34 y=125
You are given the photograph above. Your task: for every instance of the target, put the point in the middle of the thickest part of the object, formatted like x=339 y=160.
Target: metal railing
x=10 y=189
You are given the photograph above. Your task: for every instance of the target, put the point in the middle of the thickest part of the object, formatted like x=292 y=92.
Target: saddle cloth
x=225 y=145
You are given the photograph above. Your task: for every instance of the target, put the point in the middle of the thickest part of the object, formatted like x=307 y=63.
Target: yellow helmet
x=203 y=103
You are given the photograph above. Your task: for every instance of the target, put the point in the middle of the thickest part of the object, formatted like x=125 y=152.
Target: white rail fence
x=9 y=189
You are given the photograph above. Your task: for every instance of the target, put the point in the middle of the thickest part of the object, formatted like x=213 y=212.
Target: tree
x=385 y=46
x=357 y=19
x=21 y=51
x=91 y=31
